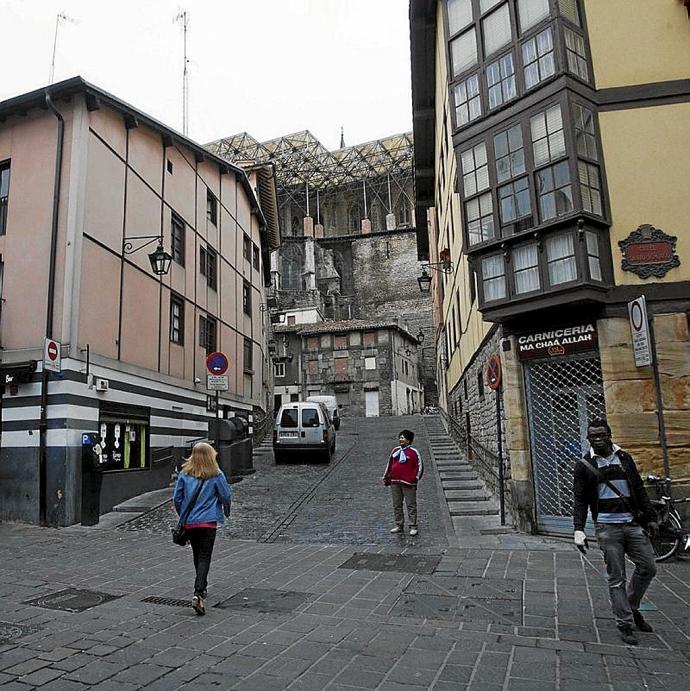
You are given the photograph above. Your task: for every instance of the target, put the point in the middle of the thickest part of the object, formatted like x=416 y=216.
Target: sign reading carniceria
x=557 y=342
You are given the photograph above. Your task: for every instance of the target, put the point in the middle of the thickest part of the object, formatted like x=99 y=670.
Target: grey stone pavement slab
x=498 y=612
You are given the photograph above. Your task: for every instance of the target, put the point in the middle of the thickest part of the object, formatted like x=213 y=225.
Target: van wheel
x=278 y=457
x=327 y=454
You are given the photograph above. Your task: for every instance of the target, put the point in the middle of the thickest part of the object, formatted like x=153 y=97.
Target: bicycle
x=671 y=537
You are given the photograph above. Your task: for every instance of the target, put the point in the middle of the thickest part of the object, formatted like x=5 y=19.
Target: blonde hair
x=202 y=462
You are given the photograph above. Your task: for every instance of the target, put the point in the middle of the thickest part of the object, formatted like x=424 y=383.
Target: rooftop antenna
x=61 y=16
x=183 y=17
x=342 y=137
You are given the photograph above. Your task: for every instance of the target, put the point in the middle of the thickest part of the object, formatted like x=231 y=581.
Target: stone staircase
x=464 y=492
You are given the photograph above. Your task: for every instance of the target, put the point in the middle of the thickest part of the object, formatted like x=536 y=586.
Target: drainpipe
x=43 y=423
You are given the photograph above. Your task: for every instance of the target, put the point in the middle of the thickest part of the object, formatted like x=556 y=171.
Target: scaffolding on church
x=375 y=177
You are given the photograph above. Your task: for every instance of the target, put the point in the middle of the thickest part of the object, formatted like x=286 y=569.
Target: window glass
x=531 y=12
x=493 y=278
x=593 y=255
x=480 y=219
x=514 y=201
x=584 y=132
x=370 y=363
x=247 y=298
x=569 y=10
x=463 y=50
x=560 y=256
x=176 y=319
x=500 y=79
x=289 y=418
x=510 y=155
x=590 y=187
x=576 y=55
x=211 y=207
x=177 y=239
x=248 y=354
x=554 y=191
x=278 y=369
x=475 y=169
x=548 y=139
x=459 y=15
x=4 y=196
x=485 y=5
x=538 y=59
x=468 y=104
x=526 y=268
x=310 y=417
x=124 y=444
x=496 y=30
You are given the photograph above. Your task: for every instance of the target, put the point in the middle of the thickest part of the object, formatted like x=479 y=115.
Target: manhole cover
x=168 y=601
x=72 y=600
x=405 y=563
x=11 y=632
x=264 y=600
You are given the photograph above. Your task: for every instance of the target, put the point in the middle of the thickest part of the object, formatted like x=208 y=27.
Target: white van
x=303 y=427
x=331 y=404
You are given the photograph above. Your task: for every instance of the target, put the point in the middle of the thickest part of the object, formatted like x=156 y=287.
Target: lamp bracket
x=129 y=248
x=445 y=267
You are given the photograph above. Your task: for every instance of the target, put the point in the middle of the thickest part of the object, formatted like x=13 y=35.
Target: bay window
x=538 y=58
x=531 y=12
x=560 y=259
x=554 y=191
x=468 y=105
x=590 y=187
x=585 y=139
x=459 y=15
x=479 y=213
x=493 y=278
x=548 y=138
x=463 y=52
x=593 y=260
x=500 y=79
x=576 y=54
x=525 y=260
x=475 y=169
x=510 y=154
x=496 y=30
x=514 y=202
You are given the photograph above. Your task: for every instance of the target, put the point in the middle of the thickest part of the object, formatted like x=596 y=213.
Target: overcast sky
x=268 y=67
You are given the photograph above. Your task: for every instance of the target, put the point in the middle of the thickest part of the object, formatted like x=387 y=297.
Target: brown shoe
x=198 y=605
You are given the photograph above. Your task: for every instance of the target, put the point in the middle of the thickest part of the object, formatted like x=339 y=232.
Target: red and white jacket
x=405 y=466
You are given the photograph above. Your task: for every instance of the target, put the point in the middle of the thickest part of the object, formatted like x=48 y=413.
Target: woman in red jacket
x=404 y=470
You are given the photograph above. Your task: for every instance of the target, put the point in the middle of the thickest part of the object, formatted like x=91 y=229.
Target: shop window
x=560 y=258
x=538 y=59
x=123 y=437
x=500 y=79
x=468 y=105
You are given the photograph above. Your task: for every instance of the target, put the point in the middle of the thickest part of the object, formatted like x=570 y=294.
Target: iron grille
x=562 y=396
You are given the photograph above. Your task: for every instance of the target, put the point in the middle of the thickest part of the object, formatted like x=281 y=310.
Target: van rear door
x=288 y=426
x=312 y=426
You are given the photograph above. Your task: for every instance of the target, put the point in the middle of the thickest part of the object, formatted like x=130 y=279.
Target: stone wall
x=631 y=394
x=472 y=408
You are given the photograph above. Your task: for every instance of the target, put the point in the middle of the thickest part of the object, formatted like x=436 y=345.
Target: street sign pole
x=217 y=440
x=500 y=456
x=659 y=400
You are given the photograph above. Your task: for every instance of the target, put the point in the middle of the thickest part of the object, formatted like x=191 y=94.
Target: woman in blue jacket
x=212 y=504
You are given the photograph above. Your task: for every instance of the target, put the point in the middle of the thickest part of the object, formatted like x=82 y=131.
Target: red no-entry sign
x=51 y=356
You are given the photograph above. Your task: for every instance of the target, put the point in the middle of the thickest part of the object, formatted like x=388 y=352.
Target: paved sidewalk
x=291 y=616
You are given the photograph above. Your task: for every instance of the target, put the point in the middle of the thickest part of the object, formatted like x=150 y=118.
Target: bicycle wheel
x=667 y=541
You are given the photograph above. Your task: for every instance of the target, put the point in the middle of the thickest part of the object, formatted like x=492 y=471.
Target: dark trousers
x=202 y=540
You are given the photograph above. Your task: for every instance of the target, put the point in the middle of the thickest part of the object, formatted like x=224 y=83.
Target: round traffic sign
x=52 y=350
x=636 y=316
x=493 y=372
x=217 y=363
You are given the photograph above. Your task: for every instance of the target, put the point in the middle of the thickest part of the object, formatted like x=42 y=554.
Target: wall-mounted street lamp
x=159 y=258
x=445 y=267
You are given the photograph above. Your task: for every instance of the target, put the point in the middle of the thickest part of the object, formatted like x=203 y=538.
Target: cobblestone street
x=308 y=590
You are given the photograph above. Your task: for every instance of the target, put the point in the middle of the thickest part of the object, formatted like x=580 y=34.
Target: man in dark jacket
x=607 y=481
